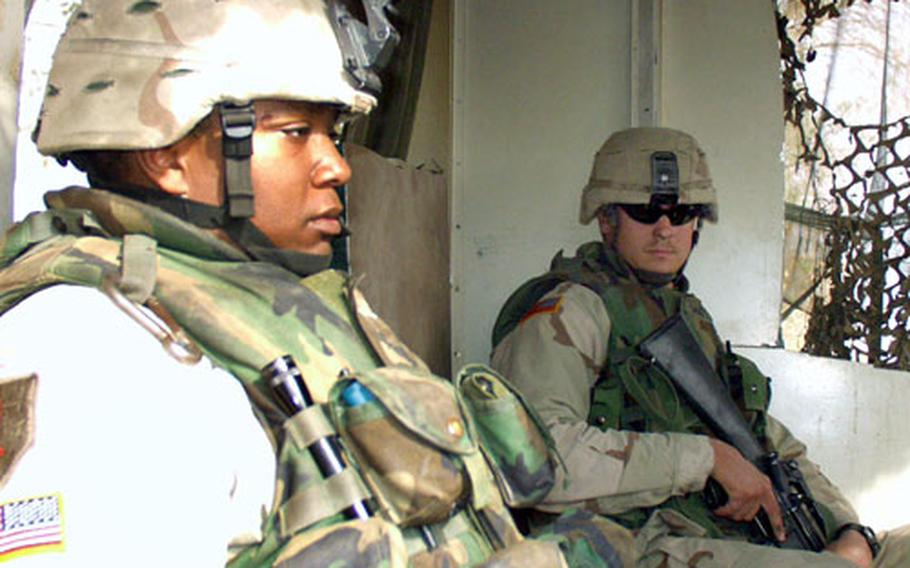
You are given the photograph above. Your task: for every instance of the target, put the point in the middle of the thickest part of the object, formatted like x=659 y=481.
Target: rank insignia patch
x=29 y=526
x=17 y=421
x=547 y=306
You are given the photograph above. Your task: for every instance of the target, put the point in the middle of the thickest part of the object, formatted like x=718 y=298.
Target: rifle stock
x=675 y=350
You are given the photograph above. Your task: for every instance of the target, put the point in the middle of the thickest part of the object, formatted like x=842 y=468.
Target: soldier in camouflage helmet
x=633 y=451
x=182 y=381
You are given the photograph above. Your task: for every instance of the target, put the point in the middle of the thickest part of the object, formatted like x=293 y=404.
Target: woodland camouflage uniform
x=243 y=314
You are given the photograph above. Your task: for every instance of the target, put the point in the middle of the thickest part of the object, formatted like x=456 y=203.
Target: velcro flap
x=320 y=501
x=139 y=267
x=756 y=390
x=423 y=403
x=309 y=425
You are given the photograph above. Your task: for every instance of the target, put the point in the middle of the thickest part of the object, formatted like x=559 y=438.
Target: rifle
x=676 y=352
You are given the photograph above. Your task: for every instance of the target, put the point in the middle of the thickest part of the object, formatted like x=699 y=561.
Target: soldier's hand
x=852 y=546
x=748 y=489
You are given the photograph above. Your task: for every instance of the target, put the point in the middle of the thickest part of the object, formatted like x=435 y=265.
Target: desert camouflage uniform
x=554 y=344
x=415 y=449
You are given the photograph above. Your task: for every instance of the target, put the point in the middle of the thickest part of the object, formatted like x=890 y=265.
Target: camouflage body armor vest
x=631 y=394
x=433 y=458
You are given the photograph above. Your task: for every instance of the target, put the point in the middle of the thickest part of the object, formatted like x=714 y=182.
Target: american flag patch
x=31 y=525
x=547 y=306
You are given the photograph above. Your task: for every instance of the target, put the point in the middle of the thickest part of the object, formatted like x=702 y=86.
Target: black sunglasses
x=650 y=214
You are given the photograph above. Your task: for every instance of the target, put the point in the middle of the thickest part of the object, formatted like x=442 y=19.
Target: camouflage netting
x=847 y=271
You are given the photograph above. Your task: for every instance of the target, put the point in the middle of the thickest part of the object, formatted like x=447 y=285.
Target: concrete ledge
x=855 y=421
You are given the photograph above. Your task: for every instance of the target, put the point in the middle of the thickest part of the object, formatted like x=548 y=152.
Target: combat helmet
x=141 y=74
x=649 y=165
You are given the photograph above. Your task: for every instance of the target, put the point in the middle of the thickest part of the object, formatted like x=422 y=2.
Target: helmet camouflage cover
x=141 y=74
x=622 y=171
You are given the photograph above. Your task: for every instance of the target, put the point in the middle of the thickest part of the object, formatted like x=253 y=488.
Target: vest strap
x=308 y=425
x=39 y=227
x=46 y=224
x=320 y=501
x=482 y=481
x=138 y=268
x=607 y=400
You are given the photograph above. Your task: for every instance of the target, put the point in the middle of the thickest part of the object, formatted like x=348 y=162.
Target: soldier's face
x=295 y=167
x=657 y=247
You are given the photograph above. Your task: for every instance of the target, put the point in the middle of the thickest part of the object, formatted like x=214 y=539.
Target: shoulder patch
x=17 y=421
x=29 y=526
x=546 y=306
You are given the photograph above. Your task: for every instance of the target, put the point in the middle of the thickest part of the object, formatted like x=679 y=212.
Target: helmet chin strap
x=680 y=282
x=655 y=279
x=238 y=122
x=660 y=279
x=242 y=232
x=234 y=217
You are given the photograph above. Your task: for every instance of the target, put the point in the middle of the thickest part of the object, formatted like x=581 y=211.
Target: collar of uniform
x=120 y=214
x=652 y=280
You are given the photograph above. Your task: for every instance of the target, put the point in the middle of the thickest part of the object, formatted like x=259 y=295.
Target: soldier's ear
x=606 y=224
x=165 y=169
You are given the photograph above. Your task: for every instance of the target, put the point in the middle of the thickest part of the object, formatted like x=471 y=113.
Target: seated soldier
x=636 y=449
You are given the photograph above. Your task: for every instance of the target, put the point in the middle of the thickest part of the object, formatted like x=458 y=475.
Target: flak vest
x=435 y=459
x=631 y=393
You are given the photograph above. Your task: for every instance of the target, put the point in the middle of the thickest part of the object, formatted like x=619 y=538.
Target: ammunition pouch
x=515 y=441
x=410 y=441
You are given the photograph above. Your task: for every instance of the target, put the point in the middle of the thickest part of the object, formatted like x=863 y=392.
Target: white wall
x=851 y=418
x=721 y=83
x=538 y=84
x=12 y=20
